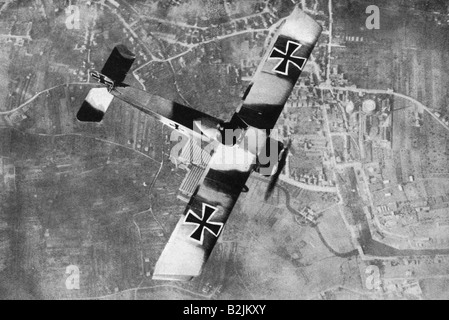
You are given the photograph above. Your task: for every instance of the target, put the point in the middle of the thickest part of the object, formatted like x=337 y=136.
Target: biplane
x=205 y=216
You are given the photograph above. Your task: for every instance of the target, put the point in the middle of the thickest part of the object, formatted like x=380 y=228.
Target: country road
x=389 y=92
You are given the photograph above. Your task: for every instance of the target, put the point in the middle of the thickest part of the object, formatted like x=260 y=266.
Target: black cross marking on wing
x=203 y=223
x=288 y=57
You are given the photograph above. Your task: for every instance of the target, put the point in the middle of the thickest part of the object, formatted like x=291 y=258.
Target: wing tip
x=302 y=26
x=125 y=52
x=88 y=113
x=168 y=277
x=167 y=269
x=95 y=105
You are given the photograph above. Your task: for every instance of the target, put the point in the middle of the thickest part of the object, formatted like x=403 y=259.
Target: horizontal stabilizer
x=95 y=106
x=118 y=64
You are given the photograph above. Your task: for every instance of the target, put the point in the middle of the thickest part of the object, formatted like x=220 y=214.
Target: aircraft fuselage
x=170 y=113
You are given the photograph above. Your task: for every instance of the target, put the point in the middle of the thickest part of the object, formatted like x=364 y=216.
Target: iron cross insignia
x=288 y=57
x=203 y=223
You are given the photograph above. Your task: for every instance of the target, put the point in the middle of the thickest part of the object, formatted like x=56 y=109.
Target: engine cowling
x=269 y=157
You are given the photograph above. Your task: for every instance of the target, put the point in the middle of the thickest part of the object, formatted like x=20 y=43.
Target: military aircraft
x=233 y=160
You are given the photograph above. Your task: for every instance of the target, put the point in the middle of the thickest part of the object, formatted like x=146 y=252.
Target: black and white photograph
x=204 y=151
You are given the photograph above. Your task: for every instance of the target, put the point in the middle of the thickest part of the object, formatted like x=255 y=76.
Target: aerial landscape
x=360 y=210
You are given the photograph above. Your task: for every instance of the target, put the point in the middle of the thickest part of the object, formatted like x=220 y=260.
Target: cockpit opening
x=232 y=132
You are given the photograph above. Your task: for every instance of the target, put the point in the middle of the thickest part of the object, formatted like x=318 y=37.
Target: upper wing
x=200 y=225
x=280 y=69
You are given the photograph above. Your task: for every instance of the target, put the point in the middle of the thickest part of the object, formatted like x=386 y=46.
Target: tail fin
x=118 y=64
x=95 y=106
x=113 y=74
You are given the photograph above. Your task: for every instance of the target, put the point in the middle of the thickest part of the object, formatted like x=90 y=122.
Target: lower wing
x=202 y=222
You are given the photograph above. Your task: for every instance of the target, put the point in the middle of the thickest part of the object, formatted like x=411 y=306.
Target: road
x=15 y=37
x=309 y=187
x=389 y=92
x=329 y=135
x=296 y=213
x=5 y=5
x=201 y=43
x=42 y=92
x=329 y=50
x=136 y=290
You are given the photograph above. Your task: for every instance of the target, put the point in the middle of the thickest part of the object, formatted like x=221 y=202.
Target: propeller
x=274 y=178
